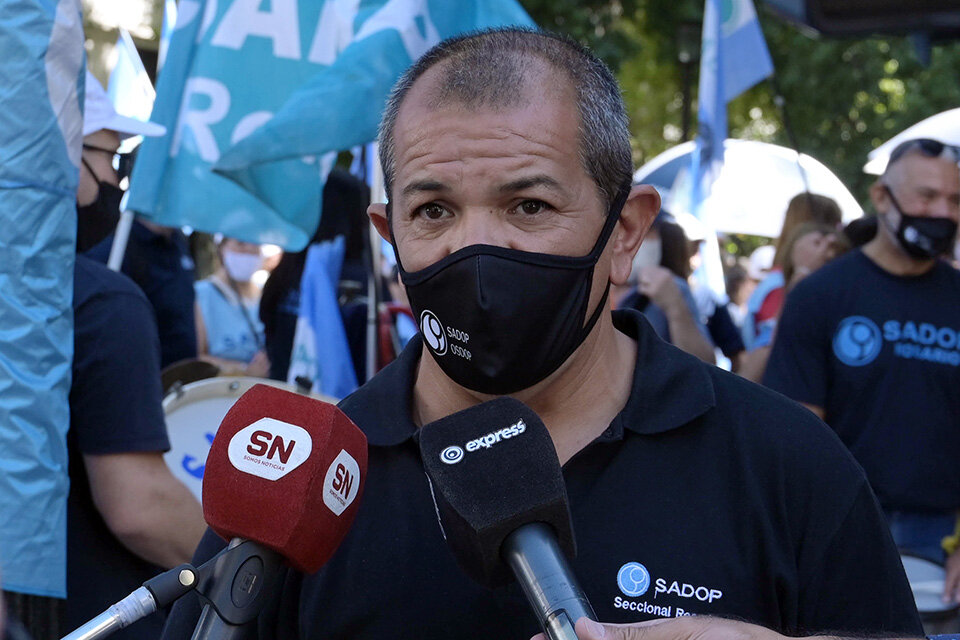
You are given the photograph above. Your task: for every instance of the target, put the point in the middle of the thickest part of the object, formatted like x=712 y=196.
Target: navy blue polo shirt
x=705 y=495
x=115 y=407
x=163 y=268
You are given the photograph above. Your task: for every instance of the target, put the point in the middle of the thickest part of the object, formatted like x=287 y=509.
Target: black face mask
x=923 y=237
x=499 y=320
x=97 y=220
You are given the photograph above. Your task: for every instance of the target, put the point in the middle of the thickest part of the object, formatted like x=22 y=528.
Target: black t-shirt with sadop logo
x=705 y=495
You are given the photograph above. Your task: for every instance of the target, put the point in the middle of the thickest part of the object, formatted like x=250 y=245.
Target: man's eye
x=531 y=207
x=432 y=211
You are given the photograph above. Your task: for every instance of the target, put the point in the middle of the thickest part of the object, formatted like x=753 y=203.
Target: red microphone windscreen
x=286 y=471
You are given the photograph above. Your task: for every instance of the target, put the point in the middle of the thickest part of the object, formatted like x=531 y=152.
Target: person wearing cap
x=870 y=342
x=127 y=515
x=157 y=258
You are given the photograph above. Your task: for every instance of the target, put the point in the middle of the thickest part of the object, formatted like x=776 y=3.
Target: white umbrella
x=944 y=126
x=753 y=189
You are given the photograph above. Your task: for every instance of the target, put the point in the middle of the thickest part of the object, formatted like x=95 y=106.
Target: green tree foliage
x=844 y=97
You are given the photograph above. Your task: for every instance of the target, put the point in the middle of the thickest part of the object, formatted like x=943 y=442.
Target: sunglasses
x=926 y=146
x=122 y=162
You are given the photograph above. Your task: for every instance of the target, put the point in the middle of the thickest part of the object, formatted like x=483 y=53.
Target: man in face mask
x=871 y=343
x=157 y=258
x=99 y=192
x=127 y=515
x=507 y=162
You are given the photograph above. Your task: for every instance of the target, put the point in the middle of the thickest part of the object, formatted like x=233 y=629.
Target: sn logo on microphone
x=342 y=483
x=269 y=448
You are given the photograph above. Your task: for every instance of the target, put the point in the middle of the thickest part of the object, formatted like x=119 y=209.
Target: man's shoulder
x=381 y=406
x=94 y=280
x=766 y=421
x=834 y=278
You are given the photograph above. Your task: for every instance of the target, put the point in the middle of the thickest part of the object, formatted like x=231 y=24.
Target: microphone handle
x=210 y=625
x=235 y=584
x=541 y=568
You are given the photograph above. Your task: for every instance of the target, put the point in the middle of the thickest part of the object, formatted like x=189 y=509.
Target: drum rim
x=235 y=385
x=936 y=615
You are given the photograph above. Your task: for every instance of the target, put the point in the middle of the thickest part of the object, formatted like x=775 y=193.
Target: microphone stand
x=235 y=588
x=156 y=593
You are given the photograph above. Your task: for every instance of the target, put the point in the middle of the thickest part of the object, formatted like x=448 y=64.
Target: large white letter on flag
x=324 y=67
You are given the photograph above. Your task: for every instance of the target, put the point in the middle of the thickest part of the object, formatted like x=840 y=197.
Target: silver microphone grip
x=535 y=557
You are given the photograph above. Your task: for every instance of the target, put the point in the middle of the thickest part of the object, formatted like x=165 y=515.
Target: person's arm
x=658 y=284
x=151 y=512
x=683 y=628
x=258 y=367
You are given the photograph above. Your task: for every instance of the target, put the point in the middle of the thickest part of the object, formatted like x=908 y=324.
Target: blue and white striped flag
x=733 y=58
x=41 y=129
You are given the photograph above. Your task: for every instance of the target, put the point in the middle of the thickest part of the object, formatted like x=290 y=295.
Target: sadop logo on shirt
x=857 y=341
x=633 y=579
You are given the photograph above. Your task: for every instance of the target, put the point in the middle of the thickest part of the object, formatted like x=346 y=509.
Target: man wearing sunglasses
x=871 y=344
x=127 y=514
x=157 y=258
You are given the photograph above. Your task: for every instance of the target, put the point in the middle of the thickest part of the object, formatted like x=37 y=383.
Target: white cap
x=761 y=261
x=98 y=113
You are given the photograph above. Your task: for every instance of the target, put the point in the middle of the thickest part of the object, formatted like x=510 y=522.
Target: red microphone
x=282 y=481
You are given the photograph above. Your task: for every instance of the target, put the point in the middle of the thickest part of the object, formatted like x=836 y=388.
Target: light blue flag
x=746 y=59
x=734 y=57
x=41 y=125
x=320 y=350
x=341 y=106
x=232 y=65
x=166 y=31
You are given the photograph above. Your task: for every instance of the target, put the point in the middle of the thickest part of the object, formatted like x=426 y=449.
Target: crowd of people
x=506 y=159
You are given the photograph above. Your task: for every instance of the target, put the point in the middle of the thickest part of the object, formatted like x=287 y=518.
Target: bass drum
x=926 y=581
x=194 y=412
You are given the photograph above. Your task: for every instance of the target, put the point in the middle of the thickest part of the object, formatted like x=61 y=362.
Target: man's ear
x=378 y=216
x=638 y=214
x=879 y=197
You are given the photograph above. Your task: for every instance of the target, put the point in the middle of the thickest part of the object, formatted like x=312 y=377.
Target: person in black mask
x=157 y=258
x=870 y=344
x=101 y=166
x=507 y=163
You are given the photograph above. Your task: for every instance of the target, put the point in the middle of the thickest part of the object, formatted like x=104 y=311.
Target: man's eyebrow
x=532 y=181
x=424 y=185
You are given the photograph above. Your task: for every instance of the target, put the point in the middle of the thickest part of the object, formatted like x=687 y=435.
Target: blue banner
x=41 y=123
x=233 y=65
x=320 y=351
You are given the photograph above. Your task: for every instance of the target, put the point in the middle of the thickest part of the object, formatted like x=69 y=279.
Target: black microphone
x=502 y=503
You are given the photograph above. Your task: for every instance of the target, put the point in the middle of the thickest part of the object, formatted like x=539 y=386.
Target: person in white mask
x=658 y=289
x=229 y=331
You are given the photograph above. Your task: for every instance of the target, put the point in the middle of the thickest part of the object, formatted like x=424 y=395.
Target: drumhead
x=193 y=414
x=926 y=581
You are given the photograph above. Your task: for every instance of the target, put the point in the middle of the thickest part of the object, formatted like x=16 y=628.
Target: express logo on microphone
x=342 y=483
x=451 y=455
x=269 y=448
x=454 y=454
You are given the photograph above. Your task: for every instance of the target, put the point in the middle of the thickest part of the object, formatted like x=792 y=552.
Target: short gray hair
x=490 y=68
